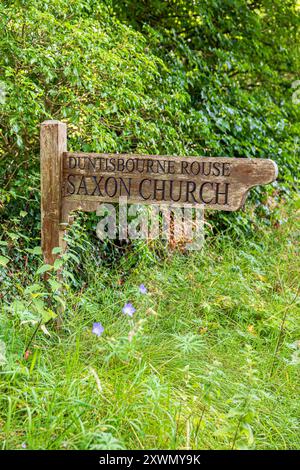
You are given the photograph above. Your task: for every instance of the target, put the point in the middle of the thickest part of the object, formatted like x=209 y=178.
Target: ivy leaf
x=48 y=315
x=58 y=263
x=37 y=250
x=44 y=268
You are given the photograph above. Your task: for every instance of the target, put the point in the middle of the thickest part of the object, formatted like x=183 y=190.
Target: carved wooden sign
x=81 y=181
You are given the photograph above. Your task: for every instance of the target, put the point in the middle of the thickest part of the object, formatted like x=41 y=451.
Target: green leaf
x=37 y=250
x=70 y=276
x=60 y=300
x=13 y=236
x=48 y=315
x=32 y=288
x=58 y=263
x=73 y=257
x=54 y=285
x=44 y=268
x=3 y=260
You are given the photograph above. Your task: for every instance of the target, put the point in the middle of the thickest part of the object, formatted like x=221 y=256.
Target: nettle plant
x=211 y=387
x=243 y=413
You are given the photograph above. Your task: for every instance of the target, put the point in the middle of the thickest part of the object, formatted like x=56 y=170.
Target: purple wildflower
x=128 y=309
x=143 y=289
x=97 y=329
x=24 y=445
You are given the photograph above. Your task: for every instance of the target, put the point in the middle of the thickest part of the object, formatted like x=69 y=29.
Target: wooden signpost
x=81 y=181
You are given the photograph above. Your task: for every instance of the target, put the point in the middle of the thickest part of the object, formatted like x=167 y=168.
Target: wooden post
x=53 y=141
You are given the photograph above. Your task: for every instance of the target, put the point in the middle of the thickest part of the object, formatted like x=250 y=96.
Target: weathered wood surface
x=217 y=183
x=53 y=142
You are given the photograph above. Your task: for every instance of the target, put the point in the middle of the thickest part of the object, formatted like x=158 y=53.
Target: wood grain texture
x=53 y=142
x=217 y=183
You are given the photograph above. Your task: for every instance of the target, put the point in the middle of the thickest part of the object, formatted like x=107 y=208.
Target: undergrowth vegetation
x=211 y=78
x=206 y=354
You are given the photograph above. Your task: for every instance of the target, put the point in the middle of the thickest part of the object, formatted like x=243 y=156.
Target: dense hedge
x=177 y=77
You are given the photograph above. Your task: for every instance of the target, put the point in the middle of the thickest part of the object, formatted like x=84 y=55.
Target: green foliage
x=238 y=60
x=91 y=71
x=203 y=79
x=42 y=299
